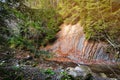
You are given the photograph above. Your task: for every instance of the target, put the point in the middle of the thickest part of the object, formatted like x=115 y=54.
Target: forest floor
x=22 y=65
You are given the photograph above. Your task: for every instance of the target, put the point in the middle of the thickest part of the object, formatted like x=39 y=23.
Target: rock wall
x=71 y=43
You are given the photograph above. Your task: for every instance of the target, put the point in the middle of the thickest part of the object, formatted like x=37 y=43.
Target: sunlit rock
x=71 y=44
x=103 y=75
x=78 y=71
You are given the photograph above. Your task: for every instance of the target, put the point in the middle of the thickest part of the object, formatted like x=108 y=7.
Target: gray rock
x=80 y=70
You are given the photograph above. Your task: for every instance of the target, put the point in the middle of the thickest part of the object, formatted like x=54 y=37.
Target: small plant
x=49 y=71
x=66 y=76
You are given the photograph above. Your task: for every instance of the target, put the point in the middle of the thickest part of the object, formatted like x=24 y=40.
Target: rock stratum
x=71 y=45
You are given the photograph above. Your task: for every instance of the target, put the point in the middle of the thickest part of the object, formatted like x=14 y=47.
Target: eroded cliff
x=71 y=44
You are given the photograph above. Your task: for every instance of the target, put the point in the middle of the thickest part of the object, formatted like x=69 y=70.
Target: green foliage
x=100 y=19
x=97 y=17
x=69 y=10
x=38 y=21
x=41 y=25
x=49 y=71
x=65 y=76
x=35 y=27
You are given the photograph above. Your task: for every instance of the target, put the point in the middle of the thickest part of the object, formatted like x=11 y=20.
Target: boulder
x=80 y=71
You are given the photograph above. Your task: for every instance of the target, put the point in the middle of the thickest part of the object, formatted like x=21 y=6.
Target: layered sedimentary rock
x=71 y=44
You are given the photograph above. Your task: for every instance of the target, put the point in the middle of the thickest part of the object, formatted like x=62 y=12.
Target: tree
x=100 y=18
x=36 y=26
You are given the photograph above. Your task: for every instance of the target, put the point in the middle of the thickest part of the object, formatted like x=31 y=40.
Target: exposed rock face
x=72 y=44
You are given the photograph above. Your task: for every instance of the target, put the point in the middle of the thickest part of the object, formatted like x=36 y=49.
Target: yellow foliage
x=96 y=16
